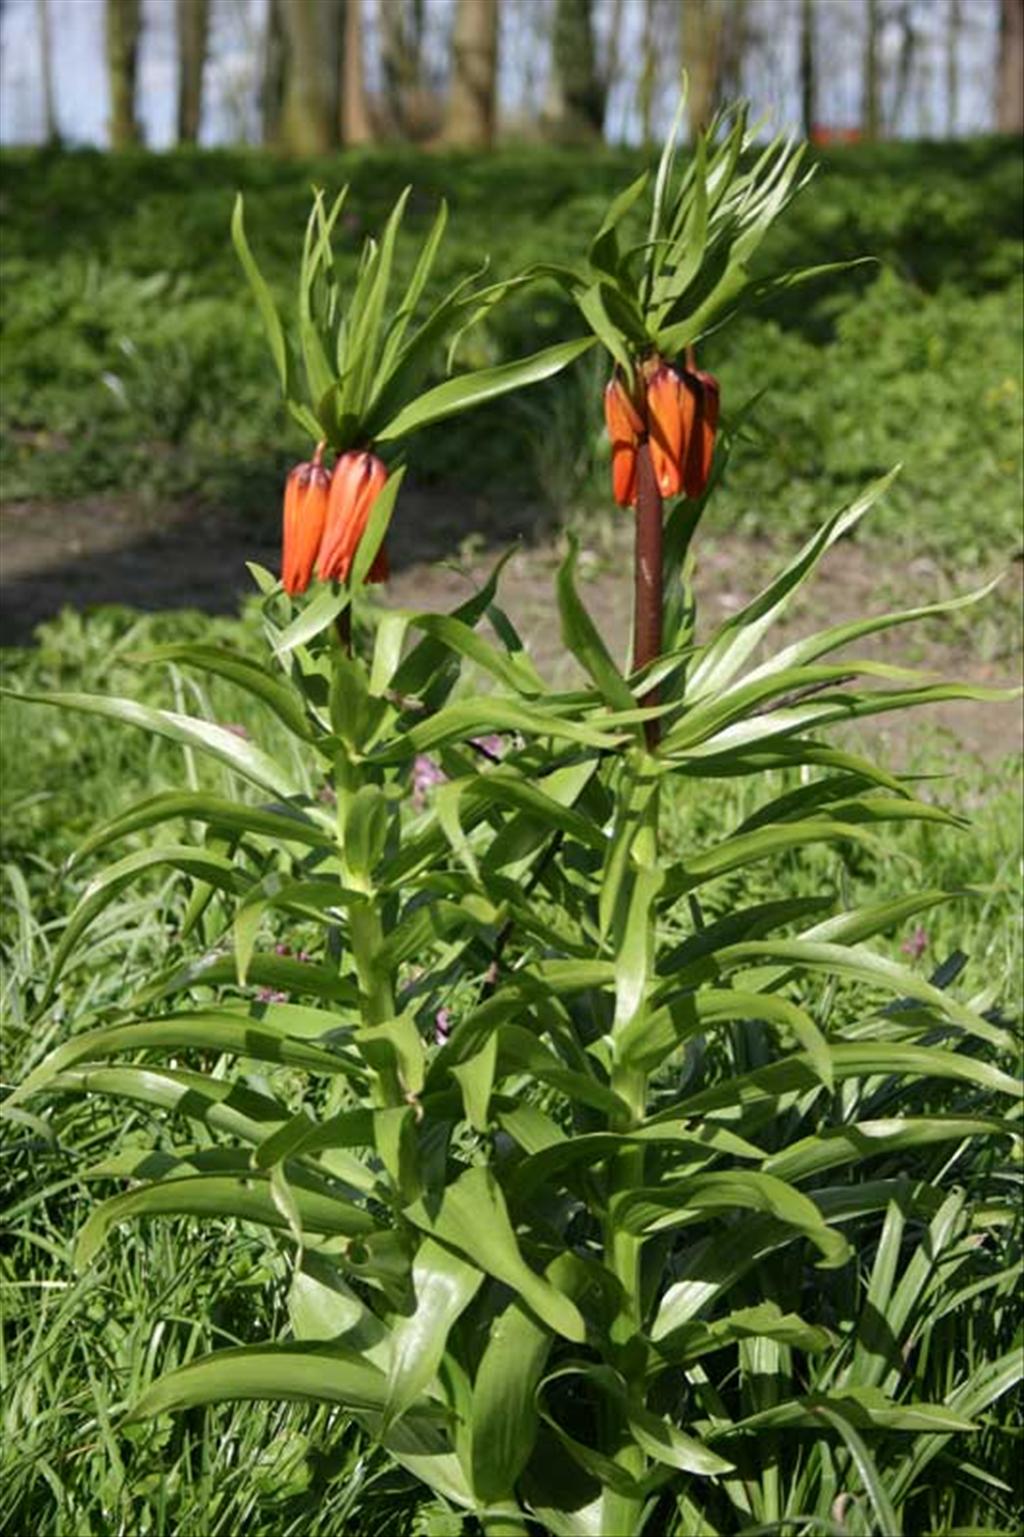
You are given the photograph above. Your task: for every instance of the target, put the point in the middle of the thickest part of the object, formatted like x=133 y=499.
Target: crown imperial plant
x=584 y=1148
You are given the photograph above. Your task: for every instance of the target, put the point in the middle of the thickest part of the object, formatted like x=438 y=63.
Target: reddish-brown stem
x=647 y=607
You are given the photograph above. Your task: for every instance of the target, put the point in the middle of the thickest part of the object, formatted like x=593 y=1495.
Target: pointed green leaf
x=443 y=1285
x=281 y=823
x=475 y=1077
x=472 y=1218
x=229 y=1107
x=242 y=670
x=315 y=1373
x=204 y=1031
x=187 y=730
x=199 y=863
x=267 y=308
x=376 y=528
x=211 y=1195
x=650 y=1210
x=739 y=636
x=467 y=390
x=313 y=618
x=581 y=637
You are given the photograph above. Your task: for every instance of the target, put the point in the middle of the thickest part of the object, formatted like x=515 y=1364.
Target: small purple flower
x=271 y=995
x=442 y=1026
x=425 y=774
x=282 y=949
x=236 y=729
x=327 y=795
x=492 y=746
x=916 y=943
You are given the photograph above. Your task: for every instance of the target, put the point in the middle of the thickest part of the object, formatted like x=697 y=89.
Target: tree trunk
x=272 y=81
x=355 y=124
x=870 y=112
x=734 y=25
x=611 y=61
x=470 y=118
x=577 y=97
x=401 y=35
x=46 y=70
x=193 y=20
x=122 y=56
x=702 y=44
x=808 y=73
x=648 y=75
x=904 y=69
x=953 y=68
x=1010 y=98
x=122 y=53
x=309 y=115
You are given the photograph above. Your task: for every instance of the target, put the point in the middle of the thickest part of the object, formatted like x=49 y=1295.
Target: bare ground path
x=102 y=551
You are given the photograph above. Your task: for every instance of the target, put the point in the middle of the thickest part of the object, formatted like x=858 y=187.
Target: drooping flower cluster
x=325 y=518
x=676 y=412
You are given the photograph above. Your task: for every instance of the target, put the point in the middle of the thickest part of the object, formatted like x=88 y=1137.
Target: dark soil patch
x=99 y=551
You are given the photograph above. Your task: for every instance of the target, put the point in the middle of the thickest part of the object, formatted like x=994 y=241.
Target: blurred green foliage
x=132 y=359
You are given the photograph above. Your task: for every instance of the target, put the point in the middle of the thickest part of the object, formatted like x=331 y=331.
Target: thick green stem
x=504 y=1526
x=649 y=599
x=376 y=995
x=621 y=1512
x=623 y=1249
x=366 y=935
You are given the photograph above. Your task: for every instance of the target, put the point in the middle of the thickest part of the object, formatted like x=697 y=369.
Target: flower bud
x=355 y=485
x=701 y=449
x=625 y=428
x=305 y=513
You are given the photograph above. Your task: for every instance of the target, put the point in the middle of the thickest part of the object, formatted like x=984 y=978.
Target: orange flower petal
x=343 y=482
x=623 y=420
x=702 y=444
x=305 y=512
x=666 y=429
x=358 y=479
x=624 y=474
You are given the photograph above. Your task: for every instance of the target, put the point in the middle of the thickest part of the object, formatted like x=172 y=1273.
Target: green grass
x=133 y=364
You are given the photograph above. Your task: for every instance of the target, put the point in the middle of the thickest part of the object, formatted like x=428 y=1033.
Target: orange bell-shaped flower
x=625 y=429
x=355 y=485
x=701 y=449
x=306 y=495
